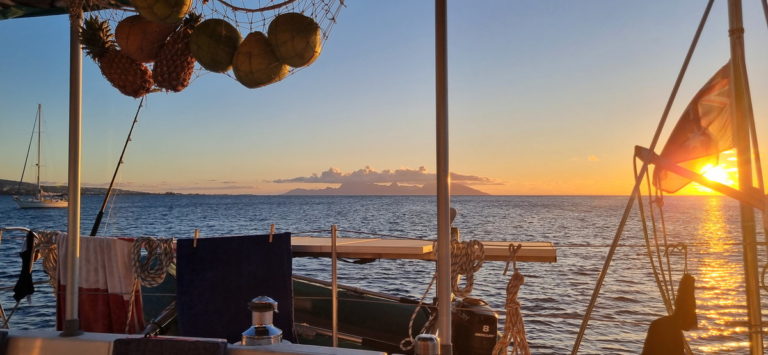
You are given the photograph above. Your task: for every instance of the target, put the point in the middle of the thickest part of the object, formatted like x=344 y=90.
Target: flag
x=702 y=133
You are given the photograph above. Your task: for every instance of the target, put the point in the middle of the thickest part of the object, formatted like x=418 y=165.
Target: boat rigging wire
x=666 y=284
x=658 y=275
x=635 y=189
x=26 y=158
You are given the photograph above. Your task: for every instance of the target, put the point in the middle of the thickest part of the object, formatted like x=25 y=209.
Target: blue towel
x=3 y=342
x=217 y=279
x=167 y=346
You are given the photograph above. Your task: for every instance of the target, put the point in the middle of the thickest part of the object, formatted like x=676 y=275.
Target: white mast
x=741 y=126
x=39 y=131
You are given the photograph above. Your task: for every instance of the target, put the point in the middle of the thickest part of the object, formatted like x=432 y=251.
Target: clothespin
x=196 y=236
x=271 y=231
x=513 y=250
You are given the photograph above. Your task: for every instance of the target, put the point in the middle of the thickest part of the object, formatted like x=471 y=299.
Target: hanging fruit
x=140 y=38
x=214 y=43
x=296 y=39
x=175 y=64
x=127 y=75
x=165 y=11
x=255 y=63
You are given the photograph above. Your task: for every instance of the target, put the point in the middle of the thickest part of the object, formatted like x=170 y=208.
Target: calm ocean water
x=553 y=297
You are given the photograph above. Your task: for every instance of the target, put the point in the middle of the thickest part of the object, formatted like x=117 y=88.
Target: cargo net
x=255 y=42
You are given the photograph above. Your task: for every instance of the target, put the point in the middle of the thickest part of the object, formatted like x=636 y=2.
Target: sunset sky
x=546 y=97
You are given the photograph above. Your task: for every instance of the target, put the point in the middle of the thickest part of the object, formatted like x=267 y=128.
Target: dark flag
x=702 y=133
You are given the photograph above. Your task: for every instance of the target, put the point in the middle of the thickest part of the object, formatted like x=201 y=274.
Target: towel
x=24 y=286
x=168 y=346
x=106 y=285
x=218 y=278
x=3 y=342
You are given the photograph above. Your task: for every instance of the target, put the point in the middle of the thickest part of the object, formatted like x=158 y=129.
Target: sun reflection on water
x=719 y=287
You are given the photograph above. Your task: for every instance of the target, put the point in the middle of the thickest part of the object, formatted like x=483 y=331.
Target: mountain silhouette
x=394 y=188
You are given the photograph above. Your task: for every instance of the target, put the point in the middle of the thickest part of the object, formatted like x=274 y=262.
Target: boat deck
x=377 y=248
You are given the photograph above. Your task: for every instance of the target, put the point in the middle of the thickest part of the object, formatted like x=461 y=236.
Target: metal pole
x=39 y=132
x=443 y=180
x=71 y=325
x=741 y=118
x=334 y=290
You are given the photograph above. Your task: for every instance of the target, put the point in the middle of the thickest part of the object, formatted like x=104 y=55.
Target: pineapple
x=175 y=64
x=127 y=75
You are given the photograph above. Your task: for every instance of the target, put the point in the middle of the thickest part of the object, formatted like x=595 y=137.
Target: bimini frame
x=71 y=322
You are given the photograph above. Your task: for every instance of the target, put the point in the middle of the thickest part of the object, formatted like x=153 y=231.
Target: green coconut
x=296 y=39
x=255 y=63
x=214 y=43
x=165 y=11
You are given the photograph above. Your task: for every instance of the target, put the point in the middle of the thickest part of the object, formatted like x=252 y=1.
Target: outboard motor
x=262 y=332
x=474 y=326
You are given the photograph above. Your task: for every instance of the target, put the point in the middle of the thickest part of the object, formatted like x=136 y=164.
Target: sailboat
x=40 y=199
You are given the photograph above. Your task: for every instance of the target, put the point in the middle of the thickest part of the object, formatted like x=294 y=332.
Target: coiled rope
x=466 y=259
x=514 y=329
x=152 y=270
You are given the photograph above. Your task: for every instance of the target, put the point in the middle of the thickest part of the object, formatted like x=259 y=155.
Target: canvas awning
x=10 y=9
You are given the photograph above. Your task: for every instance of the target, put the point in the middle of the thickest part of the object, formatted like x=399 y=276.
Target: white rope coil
x=466 y=259
x=514 y=329
x=152 y=270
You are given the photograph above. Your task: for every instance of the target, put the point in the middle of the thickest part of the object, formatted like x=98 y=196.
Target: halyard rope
x=407 y=343
x=514 y=329
x=466 y=259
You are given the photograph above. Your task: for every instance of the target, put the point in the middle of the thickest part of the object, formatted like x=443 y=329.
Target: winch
x=262 y=332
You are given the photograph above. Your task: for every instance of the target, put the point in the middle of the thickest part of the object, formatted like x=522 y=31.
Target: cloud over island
x=368 y=175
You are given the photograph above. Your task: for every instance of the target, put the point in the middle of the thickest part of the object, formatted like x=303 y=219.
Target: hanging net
x=144 y=46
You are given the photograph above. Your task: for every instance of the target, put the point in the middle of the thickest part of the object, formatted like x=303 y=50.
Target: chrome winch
x=262 y=332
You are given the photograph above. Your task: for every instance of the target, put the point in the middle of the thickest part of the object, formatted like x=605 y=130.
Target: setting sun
x=725 y=173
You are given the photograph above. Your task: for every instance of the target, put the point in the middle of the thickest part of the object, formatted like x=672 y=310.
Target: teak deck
x=363 y=248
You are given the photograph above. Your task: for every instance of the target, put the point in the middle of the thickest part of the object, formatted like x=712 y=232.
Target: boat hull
x=37 y=203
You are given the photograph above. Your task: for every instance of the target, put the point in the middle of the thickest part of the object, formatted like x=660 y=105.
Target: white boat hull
x=40 y=203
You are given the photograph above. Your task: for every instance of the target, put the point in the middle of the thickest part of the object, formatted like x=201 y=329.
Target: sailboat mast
x=742 y=116
x=39 y=131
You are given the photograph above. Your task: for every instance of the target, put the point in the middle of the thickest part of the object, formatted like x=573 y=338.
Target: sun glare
x=724 y=173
